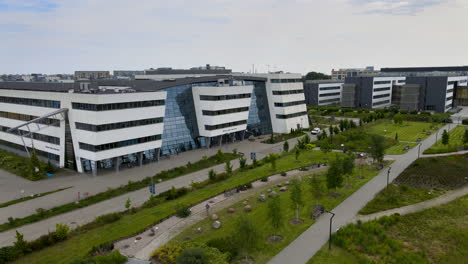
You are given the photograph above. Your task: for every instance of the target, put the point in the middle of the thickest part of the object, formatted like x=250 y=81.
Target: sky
x=61 y=36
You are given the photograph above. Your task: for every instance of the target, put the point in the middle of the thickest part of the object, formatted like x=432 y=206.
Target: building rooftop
x=324 y=81
x=426 y=69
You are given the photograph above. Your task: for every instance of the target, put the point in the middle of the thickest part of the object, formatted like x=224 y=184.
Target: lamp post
x=419 y=149
x=330 y=236
x=388 y=176
x=342 y=147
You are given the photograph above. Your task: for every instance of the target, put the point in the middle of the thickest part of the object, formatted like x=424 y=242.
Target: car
x=316 y=131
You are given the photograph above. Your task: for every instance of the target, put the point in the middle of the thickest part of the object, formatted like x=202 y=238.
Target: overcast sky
x=61 y=36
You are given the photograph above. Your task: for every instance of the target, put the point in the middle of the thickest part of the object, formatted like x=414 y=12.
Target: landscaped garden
x=436 y=235
x=282 y=137
x=457 y=138
x=424 y=179
x=28 y=168
x=133 y=221
x=406 y=131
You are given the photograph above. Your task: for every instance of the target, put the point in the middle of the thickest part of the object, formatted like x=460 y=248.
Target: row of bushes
x=25 y=166
x=41 y=214
x=190 y=253
x=282 y=137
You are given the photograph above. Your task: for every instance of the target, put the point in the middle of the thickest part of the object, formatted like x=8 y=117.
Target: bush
x=264 y=179
x=465 y=121
x=192 y=256
x=183 y=211
x=107 y=218
x=61 y=232
x=283 y=174
x=167 y=254
x=8 y=254
x=224 y=245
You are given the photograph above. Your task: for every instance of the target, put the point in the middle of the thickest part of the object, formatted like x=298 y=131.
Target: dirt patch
x=296 y=221
x=274 y=239
x=245 y=260
x=334 y=195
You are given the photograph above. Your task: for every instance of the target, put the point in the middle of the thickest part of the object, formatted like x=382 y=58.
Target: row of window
x=450 y=90
x=329 y=100
x=290 y=103
x=41 y=153
x=449 y=98
x=329 y=94
x=225 y=111
x=382 y=82
x=119 y=125
x=29 y=101
x=291 y=115
x=230 y=124
x=380 y=96
x=382 y=89
x=116 y=106
x=288 y=92
x=329 y=88
x=381 y=102
x=23 y=117
x=118 y=144
x=36 y=136
x=224 y=97
x=286 y=80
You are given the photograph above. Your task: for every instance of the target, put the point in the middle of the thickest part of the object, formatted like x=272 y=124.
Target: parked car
x=316 y=131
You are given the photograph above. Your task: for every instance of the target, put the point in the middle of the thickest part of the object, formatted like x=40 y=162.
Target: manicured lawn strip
x=18 y=165
x=80 y=245
x=283 y=137
x=439 y=235
x=204 y=163
x=265 y=251
x=424 y=179
x=398 y=148
x=408 y=131
x=455 y=140
x=26 y=198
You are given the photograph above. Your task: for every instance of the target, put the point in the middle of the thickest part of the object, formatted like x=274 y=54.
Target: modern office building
x=414 y=71
x=91 y=75
x=169 y=73
x=342 y=74
x=104 y=124
x=123 y=74
x=369 y=91
x=323 y=92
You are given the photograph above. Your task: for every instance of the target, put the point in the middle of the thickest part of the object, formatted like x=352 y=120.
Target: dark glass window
x=23 y=117
x=225 y=111
x=223 y=97
x=119 y=125
x=329 y=94
x=259 y=121
x=288 y=92
x=380 y=96
x=329 y=100
x=382 y=89
x=230 y=124
x=291 y=115
x=290 y=103
x=286 y=80
x=329 y=88
x=116 y=106
x=118 y=144
x=36 y=136
x=382 y=82
x=381 y=102
x=41 y=153
x=29 y=101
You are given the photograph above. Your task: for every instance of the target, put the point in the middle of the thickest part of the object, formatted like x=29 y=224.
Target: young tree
x=360 y=122
x=348 y=166
x=335 y=174
x=341 y=125
x=246 y=235
x=272 y=138
x=128 y=203
x=275 y=212
x=242 y=162
x=398 y=119
x=35 y=166
x=315 y=188
x=297 y=152
x=377 y=148
x=337 y=130
x=272 y=159
x=445 y=137
x=330 y=129
x=325 y=147
x=396 y=136
x=465 y=137
x=296 y=196
x=286 y=146
x=212 y=175
x=228 y=167
x=20 y=244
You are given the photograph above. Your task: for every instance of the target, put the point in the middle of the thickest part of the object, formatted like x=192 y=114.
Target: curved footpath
x=413 y=208
x=308 y=243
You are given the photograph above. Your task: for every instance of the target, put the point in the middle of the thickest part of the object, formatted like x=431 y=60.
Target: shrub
x=21 y=245
x=183 y=211
x=465 y=121
x=108 y=218
x=167 y=254
x=225 y=245
x=61 y=232
x=101 y=249
x=192 y=256
x=264 y=179
x=242 y=162
x=283 y=174
x=212 y=175
x=112 y=258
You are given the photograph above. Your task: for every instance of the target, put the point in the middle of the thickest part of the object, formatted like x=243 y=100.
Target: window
x=329 y=88
x=116 y=106
x=118 y=144
x=288 y=92
x=223 y=97
x=31 y=102
x=382 y=89
x=449 y=90
x=35 y=136
x=329 y=100
x=41 y=153
x=381 y=102
x=23 y=117
x=382 y=82
x=285 y=80
x=225 y=111
x=291 y=115
x=290 y=103
x=230 y=124
x=380 y=96
x=449 y=98
x=329 y=94
x=119 y=125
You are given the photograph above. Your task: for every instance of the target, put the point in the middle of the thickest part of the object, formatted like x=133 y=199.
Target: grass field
x=455 y=140
x=408 y=131
x=398 y=148
x=81 y=244
x=265 y=250
x=424 y=179
x=436 y=235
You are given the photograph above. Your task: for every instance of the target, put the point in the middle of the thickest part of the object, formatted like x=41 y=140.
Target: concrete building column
x=140 y=158
x=208 y=142
x=220 y=140
x=94 y=167
x=243 y=135
x=158 y=154
x=117 y=164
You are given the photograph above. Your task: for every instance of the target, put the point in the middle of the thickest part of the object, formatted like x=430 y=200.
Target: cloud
x=27 y=6
x=394 y=7
x=14 y=28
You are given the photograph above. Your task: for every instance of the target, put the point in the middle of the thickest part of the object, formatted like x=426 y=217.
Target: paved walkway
x=443 y=199
x=308 y=243
x=89 y=213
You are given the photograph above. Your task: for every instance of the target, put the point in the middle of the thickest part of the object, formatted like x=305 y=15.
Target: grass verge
x=408 y=131
x=399 y=148
x=27 y=198
x=455 y=141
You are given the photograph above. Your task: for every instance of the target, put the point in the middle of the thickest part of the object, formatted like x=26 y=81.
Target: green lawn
x=5 y=204
x=265 y=250
x=436 y=235
x=408 y=131
x=424 y=179
x=398 y=148
x=81 y=244
x=455 y=140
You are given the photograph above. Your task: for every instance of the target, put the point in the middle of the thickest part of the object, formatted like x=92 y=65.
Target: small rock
x=279 y=185
x=214 y=217
x=286 y=183
x=198 y=230
x=283 y=189
x=262 y=198
x=272 y=194
x=231 y=210
x=211 y=201
x=216 y=224
x=269 y=191
x=245 y=202
x=247 y=208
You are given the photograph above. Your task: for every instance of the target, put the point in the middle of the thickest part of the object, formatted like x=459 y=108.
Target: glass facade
x=259 y=121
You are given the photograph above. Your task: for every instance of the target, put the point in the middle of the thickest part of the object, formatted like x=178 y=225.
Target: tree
x=330 y=129
x=377 y=148
x=296 y=195
x=246 y=235
x=61 y=232
x=272 y=138
x=465 y=137
x=398 y=119
x=242 y=162
x=348 y=166
x=325 y=147
x=335 y=174
x=228 y=167
x=316 y=76
x=275 y=213
x=297 y=152
x=193 y=255
x=286 y=146
x=212 y=175
x=20 y=244
x=337 y=130
x=128 y=203
x=396 y=136
x=315 y=188
x=272 y=159
x=445 y=137
x=360 y=122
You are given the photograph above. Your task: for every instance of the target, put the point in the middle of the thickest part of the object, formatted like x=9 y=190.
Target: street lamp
x=342 y=147
x=388 y=176
x=419 y=149
x=330 y=236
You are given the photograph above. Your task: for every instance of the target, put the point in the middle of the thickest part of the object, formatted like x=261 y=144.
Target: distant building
x=91 y=75
x=342 y=74
x=126 y=74
x=414 y=71
x=323 y=92
x=169 y=73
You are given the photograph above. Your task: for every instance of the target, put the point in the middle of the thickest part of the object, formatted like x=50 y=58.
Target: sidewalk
x=308 y=243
